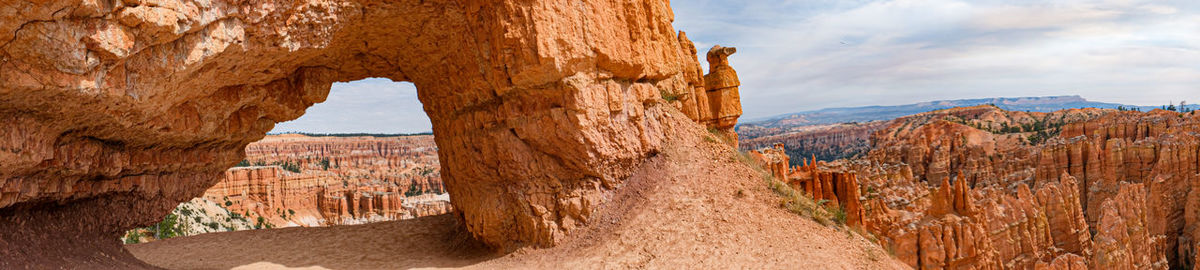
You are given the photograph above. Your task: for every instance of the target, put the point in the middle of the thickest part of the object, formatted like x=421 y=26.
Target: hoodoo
x=721 y=84
x=116 y=111
x=984 y=188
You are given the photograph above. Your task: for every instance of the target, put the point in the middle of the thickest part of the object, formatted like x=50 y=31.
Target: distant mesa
x=838 y=133
x=875 y=113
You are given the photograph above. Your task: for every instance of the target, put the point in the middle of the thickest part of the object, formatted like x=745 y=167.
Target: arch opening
x=366 y=154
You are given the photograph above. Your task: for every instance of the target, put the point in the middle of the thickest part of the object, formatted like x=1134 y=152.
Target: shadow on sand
x=434 y=241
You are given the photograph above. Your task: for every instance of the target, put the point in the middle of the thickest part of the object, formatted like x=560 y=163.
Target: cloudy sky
x=373 y=105
x=797 y=55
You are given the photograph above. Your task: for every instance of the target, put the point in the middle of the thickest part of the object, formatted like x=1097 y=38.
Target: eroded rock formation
x=337 y=180
x=721 y=86
x=539 y=107
x=713 y=99
x=826 y=142
x=838 y=188
x=1060 y=190
x=983 y=188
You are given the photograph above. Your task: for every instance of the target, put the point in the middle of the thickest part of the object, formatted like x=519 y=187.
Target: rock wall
x=286 y=199
x=1101 y=188
x=825 y=142
x=539 y=107
x=983 y=188
x=338 y=180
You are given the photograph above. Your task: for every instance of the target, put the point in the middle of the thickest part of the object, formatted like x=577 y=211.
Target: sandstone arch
x=117 y=110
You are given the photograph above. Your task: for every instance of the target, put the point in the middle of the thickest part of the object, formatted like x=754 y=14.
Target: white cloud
x=796 y=55
x=893 y=52
x=372 y=105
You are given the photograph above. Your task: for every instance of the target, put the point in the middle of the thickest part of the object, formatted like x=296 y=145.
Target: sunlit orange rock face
x=540 y=108
x=713 y=99
x=983 y=188
x=342 y=180
x=963 y=189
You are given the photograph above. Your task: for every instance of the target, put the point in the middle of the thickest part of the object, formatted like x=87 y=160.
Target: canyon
x=340 y=180
x=118 y=111
x=694 y=203
x=984 y=188
x=823 y=142
x=568 y=134
x=294 y=180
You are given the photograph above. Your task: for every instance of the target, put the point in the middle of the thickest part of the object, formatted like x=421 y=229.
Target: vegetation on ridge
x=795 y=201
x=286 y=165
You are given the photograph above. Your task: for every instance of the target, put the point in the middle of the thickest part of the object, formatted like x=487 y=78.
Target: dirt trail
x=682 y=208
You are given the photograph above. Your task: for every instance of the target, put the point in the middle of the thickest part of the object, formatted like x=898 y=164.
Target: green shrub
x=839 y=214
x=133 y=237
x=288 y=166
x=262 y=223
x=413 y=190
x=169 y=227
x=794 y=201
x=325 y=164
x=669 y=97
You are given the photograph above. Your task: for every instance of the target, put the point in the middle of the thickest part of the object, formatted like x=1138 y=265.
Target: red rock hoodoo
x=838 y=187
x=983 y=188
x=826 y=142
x=117 y=111
x=340 y=180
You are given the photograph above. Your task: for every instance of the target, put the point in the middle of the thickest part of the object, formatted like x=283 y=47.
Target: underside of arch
x=116 y=112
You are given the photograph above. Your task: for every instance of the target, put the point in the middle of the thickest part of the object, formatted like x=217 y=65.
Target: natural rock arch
x=115 y=112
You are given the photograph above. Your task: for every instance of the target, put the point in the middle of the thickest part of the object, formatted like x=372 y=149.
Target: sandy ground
x=681 y=210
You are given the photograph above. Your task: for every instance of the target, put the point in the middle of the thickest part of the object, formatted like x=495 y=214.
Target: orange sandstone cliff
x=340 y=180
x=115 y=112
x=983 y=188
x=826 y=142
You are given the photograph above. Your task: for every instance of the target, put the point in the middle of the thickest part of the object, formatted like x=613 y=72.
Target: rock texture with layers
x=983 y=188
x=337 y=180
x=539 y=107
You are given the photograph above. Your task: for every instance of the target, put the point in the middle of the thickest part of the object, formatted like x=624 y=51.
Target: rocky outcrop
x=338 y=180
x=1061 y=189
x=1123 y=237
x=141 y=105
x=774 y=160
x=983 y=188
x=711 y=99
x=721 y=86
x=1064 y=262
x=952 y=199
x=836 y=187
x=286 y=199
